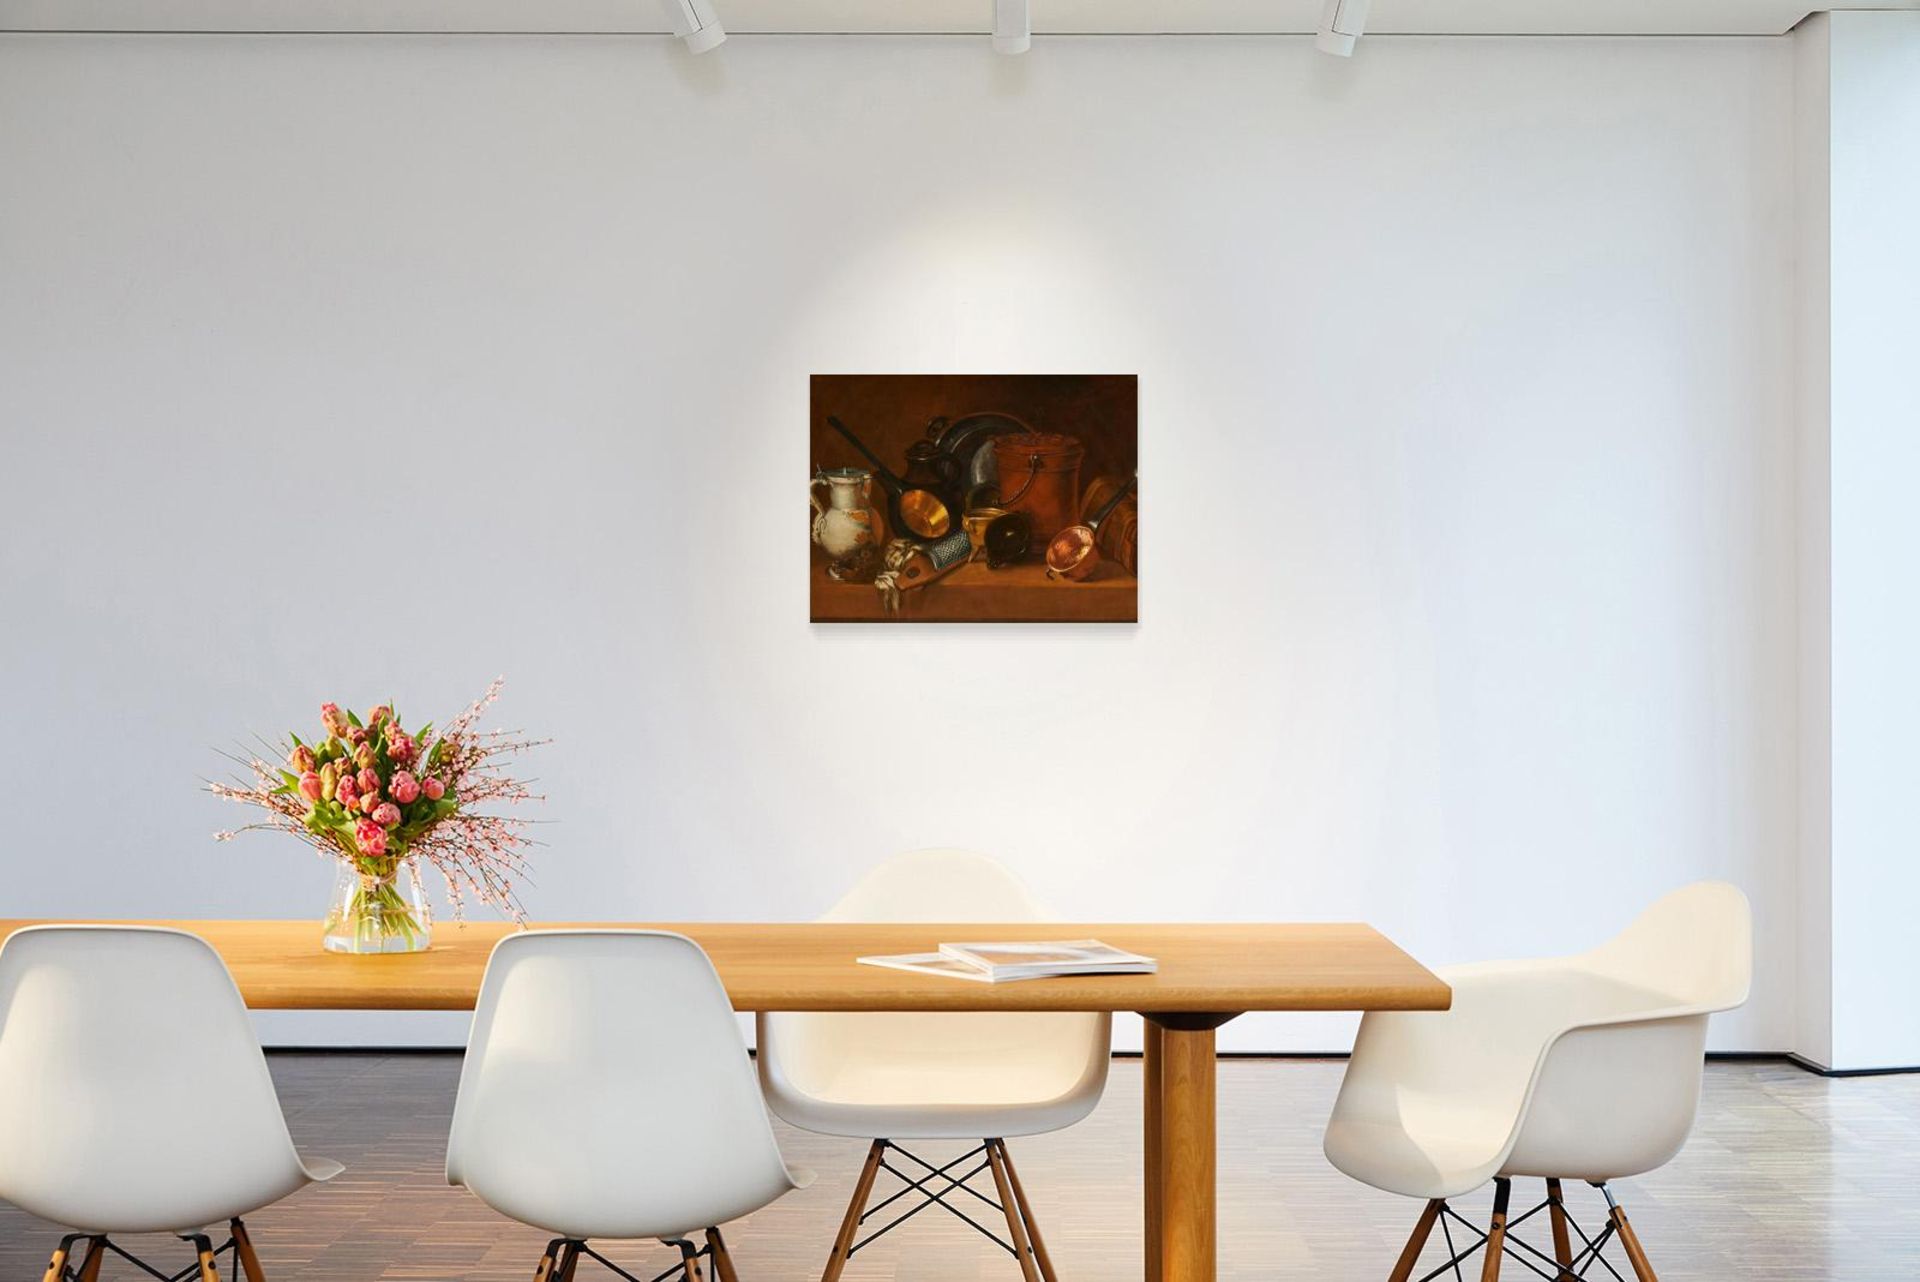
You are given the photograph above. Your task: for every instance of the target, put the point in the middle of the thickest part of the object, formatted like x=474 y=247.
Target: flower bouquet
x=384 y=800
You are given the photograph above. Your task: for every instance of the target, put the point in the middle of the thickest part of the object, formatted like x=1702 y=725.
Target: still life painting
x=974 y=498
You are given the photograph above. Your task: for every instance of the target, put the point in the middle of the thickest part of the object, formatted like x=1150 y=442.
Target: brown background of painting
x=890 y=412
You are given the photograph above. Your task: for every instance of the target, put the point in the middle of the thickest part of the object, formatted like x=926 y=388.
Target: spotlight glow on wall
x=696 y=22
x=1012 y=26
x=1342 y=23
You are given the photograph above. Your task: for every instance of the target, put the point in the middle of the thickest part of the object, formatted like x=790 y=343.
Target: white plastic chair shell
x=134 y=1097
x=934 y=1076
x=607 y=1092
x=1578 y=1068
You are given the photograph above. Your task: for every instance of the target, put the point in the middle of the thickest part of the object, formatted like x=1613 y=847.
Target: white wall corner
x=1872 y=531
x=1813 y=970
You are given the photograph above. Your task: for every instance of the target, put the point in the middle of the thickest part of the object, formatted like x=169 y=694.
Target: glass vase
x=373 y=912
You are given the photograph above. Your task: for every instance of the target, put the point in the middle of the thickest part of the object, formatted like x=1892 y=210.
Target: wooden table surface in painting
x=975 y=594
x=1208 y=974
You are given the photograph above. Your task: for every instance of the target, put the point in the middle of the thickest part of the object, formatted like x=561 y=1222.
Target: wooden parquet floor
x=1788 y=1177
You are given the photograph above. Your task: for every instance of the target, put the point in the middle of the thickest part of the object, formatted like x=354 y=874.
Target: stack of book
x=1003 y=962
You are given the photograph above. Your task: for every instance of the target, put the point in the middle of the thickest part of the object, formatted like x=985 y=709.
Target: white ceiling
x=1520 y=17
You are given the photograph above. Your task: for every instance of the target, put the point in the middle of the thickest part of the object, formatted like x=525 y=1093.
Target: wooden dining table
x=1208 y=974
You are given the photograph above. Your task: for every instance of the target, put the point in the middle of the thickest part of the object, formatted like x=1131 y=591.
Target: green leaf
x=353 y=718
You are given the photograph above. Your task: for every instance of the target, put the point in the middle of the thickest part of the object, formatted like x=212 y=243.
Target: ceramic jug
x=845 y=526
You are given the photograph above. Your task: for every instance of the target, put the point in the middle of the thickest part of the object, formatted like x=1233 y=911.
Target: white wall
x=1861 y=112
x=370 y=367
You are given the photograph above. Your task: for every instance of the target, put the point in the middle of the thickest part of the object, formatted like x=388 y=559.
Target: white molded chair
x=1577 y=1068
x=607 y=1094
x=967 y=1076
x=134 y=1097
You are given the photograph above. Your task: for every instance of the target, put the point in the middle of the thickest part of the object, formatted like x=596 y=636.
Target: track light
x=1012 y=26
x=696 y=22
x=1342 y=23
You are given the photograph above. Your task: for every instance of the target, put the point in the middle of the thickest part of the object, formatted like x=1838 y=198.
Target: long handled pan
x=918 y=512
x=1073 y=553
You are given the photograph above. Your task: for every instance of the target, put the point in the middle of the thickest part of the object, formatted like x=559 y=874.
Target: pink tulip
x=368 y=780
x=369 y=800
x=379 y=714
x=404 y=787
x=371 y=838
x=401 y=748
x=310 y=786
x=386 y=814
x=334 y=719
x=433 y=788
x=346 y=792
x=301 y=759
x=363 y=757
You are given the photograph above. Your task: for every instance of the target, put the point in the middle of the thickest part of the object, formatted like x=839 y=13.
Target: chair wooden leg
x=1022 y=1248
x=95 y=1257
x=568 y=1261
x=543 y=1272
x=243 y=1249
x=1562 y=1243
x=689 y=1260
x=1040 y=1255
x=1422 y=1229
x=209 y=1263
x=57 y=1268
x=1636 y=1254
x=722 y=1261
x=850 y=1226
x=1497 y=1232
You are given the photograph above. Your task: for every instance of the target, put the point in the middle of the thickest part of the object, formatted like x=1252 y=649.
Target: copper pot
x=1074 y=552
x=1039 y=474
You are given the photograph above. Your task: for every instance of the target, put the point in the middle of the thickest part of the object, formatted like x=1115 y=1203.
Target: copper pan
x=1074 y=553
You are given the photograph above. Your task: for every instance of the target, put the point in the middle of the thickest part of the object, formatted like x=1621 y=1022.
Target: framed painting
x=974 y=498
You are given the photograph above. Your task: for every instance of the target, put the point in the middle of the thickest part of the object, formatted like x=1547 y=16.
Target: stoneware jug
x=844 y=525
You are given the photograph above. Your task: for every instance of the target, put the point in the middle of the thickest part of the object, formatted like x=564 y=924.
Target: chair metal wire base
x=933 y=1197
x=925 y=1185
x=205 y=1267
x=1565 y=1265
x=563 y=1256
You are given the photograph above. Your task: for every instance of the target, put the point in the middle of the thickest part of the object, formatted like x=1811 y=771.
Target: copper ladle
x=1073 y=553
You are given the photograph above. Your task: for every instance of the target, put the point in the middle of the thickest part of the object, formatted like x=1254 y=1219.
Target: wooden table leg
x=1180 y=1139
x=1150 y=1133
